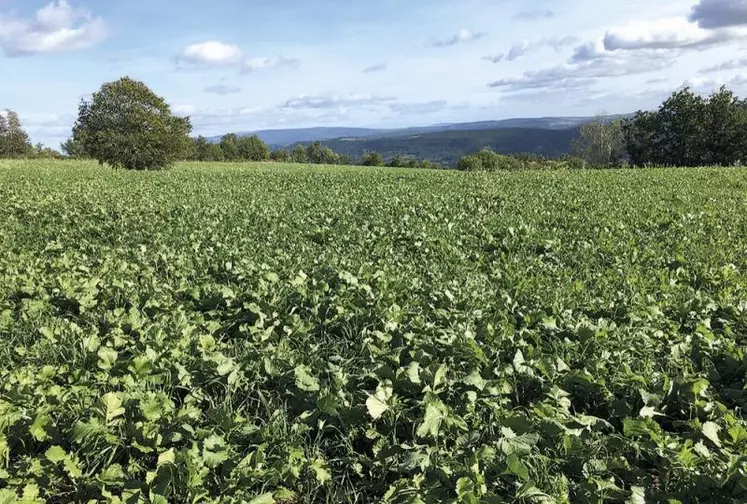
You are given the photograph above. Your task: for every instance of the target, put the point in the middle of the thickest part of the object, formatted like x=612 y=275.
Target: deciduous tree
x=126 y=125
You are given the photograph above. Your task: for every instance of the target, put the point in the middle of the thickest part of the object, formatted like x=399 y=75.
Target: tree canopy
x=14 y=142
x=690 y=130
x=126 y=125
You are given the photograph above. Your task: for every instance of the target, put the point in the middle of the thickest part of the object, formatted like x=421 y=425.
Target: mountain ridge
x=286 y=137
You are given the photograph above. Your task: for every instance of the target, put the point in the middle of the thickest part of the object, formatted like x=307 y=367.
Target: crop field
x=269 y=333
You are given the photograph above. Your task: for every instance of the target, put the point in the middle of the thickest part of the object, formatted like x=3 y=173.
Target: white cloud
x=215 y=54
x=669 y=33
x=719 y=13
x=328 y=101
x=461 y=37
x=495 y=58
x=211 y=53
x=264 y=63
x=705 y=85
x=585 y=71
x=726 y=65
x=527 y=46
x=56 y=27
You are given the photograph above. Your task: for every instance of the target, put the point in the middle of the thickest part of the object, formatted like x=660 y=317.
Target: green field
x=294 y=334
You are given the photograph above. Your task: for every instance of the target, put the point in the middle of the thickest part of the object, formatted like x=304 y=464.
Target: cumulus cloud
x=705 y=85
x=527 y=46
x=670 y=33
x=719 y=13
x=223 y=89
x=461 y=37
x=585 y=72
x=726 y=65
x=635 y=48
x=216 y=54
x=56 y=27
x=495 y=58
x=535 y=15
x=379 y=67
x=210 y=54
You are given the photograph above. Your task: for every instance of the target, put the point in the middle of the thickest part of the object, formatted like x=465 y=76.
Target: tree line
x=232 y=147
x=687 y=130
x=126 y=125
x=15 y=142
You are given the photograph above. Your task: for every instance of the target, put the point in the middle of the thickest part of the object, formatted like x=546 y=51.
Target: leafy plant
x=328 y=334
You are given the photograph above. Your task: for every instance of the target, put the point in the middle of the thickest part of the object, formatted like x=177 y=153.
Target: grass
x=223 y=333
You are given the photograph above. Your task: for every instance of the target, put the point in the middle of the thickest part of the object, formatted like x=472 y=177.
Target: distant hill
x=447 y=147
x=286 y=137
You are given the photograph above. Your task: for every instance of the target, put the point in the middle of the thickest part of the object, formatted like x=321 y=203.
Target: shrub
x=470 y=163
x=281 y=156
x=252 y=148
x=213 y=152
x=317 y=153
x=372 y=158
x=487 y=160
x=299 y=155
x=229 y=146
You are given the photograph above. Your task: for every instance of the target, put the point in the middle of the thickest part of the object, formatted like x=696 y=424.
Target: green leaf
x=328 y=404
x=413 y=372
x=321 y=471
x=435 y=413
x=637 y=496
x=31 y=494
x=38 y=429
x=214 y=451
x=475 y=379
x=265 y=498
x=465 y=489
x=529 y=491
x=167 y=457
x=8 y=496
x=711 y=430
x=304 y=380
x=640 y=428
x=107 y=358
x=272 y=277
x=151 y=408
x=440 y=377
x=517 y=467
x=649 y=412
x=71 y=466
x=112 y=406
x=113 y=475
x=377 y=403
x=55 y=454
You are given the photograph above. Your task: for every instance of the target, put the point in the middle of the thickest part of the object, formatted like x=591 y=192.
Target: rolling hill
x=286 y=137
x=446 y=147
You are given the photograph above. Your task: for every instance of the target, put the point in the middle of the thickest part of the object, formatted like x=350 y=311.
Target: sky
x=235 y=65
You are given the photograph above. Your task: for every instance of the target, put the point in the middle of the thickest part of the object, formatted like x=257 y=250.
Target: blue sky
x=245 y=65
